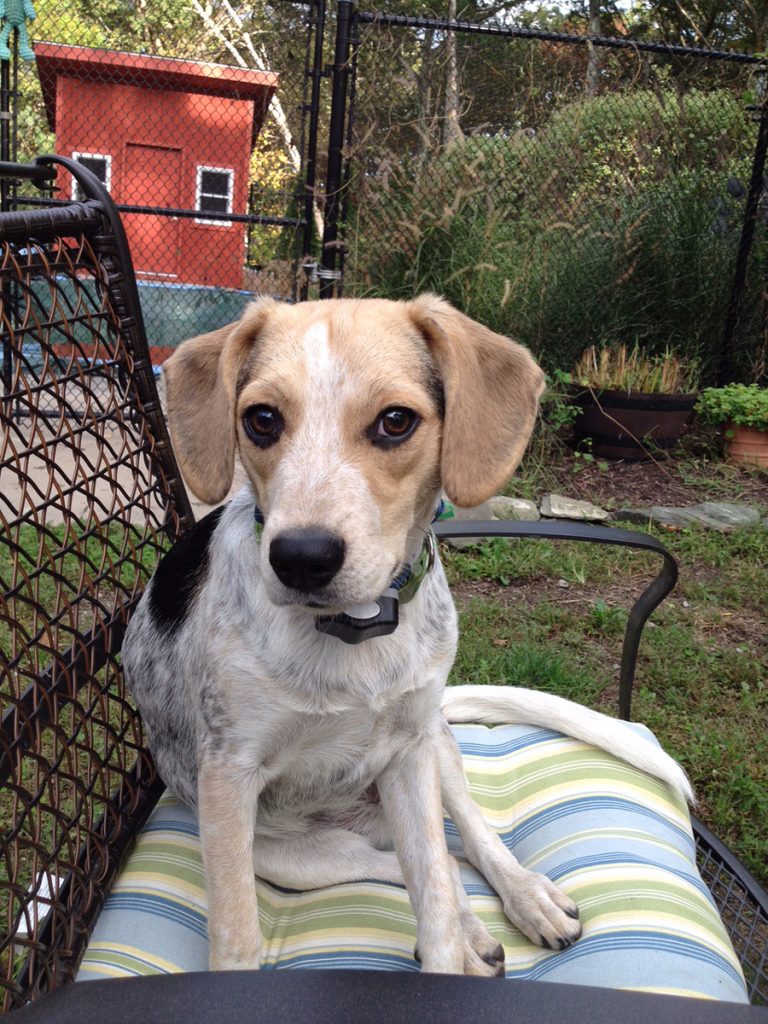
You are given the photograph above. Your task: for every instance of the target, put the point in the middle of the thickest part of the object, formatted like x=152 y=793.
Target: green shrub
x=746 y=405
x=617 y=368
x=616 y=220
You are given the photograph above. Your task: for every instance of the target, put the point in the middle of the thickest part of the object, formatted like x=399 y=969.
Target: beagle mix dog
x=289 y=656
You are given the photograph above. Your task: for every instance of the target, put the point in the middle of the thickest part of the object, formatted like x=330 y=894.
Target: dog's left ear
x=492 y=388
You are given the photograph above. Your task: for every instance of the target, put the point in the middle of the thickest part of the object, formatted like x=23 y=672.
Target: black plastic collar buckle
x=354 y=630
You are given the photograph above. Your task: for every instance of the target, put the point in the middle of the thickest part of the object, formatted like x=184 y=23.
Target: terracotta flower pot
x=626 y=425
x=747 y=445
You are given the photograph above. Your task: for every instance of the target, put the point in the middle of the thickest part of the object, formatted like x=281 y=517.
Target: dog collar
x=379 y=617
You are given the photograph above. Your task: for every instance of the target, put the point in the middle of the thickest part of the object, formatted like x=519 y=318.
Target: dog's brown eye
x=394 y=425
x=263 y=424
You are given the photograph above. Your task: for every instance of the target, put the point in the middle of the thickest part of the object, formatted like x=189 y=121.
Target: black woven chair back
x=89 y=496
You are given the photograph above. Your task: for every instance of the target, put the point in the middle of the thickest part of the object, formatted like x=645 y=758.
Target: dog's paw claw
x=495 y=957
x=542 y=912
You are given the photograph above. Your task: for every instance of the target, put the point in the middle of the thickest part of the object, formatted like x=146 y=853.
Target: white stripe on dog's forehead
x=327 y=370
x=317 y=352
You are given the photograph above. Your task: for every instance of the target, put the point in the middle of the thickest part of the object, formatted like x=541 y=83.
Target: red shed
x=168 y=133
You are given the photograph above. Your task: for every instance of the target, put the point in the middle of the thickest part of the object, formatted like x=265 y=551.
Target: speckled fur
x=261 y=666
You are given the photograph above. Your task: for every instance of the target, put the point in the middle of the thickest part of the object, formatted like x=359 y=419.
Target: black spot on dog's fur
x=180 y=573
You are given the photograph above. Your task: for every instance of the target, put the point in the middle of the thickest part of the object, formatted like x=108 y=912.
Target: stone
x=660 y=515
x=476 y=514
x=727 y=515
x=517 y=509
x=557 y=506
x=715 y=515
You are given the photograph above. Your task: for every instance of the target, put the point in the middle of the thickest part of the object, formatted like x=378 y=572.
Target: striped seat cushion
x=617 y=841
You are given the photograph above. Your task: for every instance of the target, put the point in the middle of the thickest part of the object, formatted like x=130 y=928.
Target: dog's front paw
x=483 y=954
x=542 y=911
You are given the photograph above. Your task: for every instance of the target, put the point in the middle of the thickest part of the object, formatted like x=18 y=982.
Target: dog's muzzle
x=308 y=560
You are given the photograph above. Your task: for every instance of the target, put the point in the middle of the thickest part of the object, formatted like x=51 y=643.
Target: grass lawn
x=552 y=616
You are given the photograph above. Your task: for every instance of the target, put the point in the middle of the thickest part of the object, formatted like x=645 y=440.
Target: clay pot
x=747 y=445
x=626 y=425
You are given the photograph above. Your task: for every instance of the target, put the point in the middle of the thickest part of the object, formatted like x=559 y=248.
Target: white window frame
x=230 y=172
x=94 y=156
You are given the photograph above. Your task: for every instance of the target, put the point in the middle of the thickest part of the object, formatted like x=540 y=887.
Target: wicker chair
x=90 y=496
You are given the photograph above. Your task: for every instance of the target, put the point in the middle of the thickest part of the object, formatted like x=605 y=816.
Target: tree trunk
x=593 y=69
x=451 y=127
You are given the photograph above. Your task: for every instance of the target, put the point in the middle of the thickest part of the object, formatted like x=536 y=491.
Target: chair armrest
x=650 y=598
x=366 y=997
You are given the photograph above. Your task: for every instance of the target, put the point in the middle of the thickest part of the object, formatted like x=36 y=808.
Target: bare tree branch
x=259 y=61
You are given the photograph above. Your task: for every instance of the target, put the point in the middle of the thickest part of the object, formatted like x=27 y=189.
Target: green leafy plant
x=745 y=405
x=557 y=408
x=618 y=368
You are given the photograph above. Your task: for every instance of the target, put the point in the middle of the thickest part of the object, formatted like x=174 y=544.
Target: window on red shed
x=99 y=164
x=214 y=193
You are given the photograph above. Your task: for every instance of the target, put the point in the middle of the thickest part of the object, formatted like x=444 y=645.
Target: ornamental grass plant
x=620 y=368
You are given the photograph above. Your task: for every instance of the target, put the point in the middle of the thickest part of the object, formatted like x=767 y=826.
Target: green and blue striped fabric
x=616 y=840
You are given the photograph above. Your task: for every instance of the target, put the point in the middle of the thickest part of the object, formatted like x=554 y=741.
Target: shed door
x=152 y=177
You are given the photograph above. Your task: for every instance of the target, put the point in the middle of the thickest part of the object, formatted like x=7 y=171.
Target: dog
x=290 y=653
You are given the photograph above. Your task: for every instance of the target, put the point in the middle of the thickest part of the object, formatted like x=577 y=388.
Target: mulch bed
x=646 y=483
x=695 y=473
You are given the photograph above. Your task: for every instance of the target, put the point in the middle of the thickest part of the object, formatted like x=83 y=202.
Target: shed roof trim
x=150 y=71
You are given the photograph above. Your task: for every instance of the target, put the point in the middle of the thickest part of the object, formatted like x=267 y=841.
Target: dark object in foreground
x=367 y=997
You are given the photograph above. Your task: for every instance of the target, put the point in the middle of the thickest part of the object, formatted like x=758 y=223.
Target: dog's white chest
x=318 y=763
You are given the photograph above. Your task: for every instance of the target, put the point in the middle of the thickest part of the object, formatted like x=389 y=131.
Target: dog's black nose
x=306 y=559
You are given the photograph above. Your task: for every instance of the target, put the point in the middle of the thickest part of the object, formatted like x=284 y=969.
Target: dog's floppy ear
x=201 y=379
x=492 y=387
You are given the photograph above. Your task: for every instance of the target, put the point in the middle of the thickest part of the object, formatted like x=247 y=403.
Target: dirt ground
x=667 y=483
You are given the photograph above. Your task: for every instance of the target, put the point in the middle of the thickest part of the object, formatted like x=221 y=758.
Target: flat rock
x=726 y=515
x=517 y=509
x=661 y=515
x=557 y=506
x=475 y=514
x=715 y=515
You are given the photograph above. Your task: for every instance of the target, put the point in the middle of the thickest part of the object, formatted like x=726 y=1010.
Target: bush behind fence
x=565 y=197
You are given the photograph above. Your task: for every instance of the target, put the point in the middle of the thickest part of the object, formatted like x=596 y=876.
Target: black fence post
x=726 y=367
x=329 y=274
x=6 y=118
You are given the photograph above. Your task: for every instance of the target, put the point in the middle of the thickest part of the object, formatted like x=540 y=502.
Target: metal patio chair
x=90 y=496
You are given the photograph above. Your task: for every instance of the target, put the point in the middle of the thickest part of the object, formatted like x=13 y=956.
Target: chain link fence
x=564 y=192
x=195 y=116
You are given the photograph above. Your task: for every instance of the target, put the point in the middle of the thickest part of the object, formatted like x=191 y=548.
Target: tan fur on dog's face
x=330 y=370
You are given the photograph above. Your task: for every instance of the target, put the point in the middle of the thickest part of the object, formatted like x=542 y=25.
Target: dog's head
x=349 y=416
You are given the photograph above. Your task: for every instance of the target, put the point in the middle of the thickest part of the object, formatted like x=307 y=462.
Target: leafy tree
x=718 y=24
